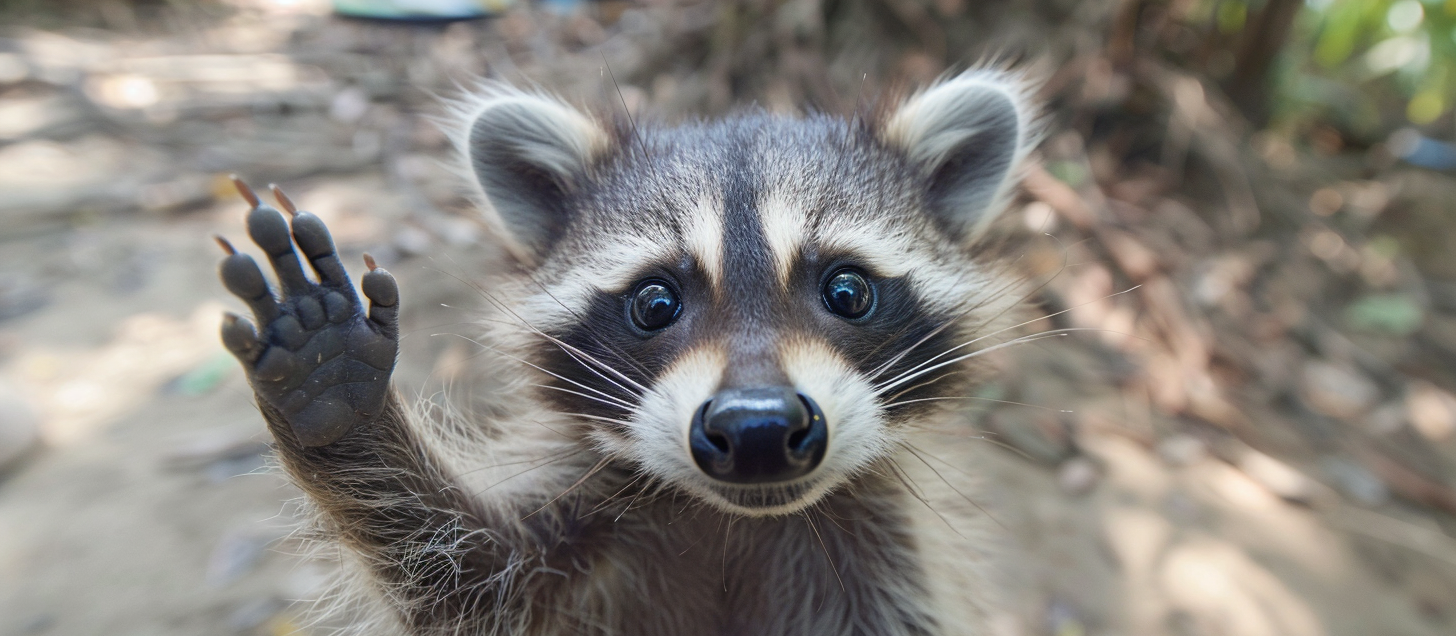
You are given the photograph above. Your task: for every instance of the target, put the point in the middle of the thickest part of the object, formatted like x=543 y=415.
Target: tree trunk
x=1248 y=85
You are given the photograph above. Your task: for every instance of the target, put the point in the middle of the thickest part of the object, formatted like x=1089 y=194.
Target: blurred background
x=1248 y=202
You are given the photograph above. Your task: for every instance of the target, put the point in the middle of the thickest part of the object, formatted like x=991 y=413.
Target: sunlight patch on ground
x=1217 y=587
x=77 y=393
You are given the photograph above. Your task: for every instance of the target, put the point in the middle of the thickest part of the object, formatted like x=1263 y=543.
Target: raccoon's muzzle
x=758 y=435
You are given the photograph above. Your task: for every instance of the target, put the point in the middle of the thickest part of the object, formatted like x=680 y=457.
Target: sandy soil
x=148 y=507
x=150 y=511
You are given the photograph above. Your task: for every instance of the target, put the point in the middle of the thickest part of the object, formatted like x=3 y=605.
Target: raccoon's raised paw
x=320 y=359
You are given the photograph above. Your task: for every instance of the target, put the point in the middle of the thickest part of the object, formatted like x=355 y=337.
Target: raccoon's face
x=755 y=310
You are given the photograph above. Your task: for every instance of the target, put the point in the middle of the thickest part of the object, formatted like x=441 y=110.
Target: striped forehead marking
x=785 y=228
x=882 y=248
x=703 y=235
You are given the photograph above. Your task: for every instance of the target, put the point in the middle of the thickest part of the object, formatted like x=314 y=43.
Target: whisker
x=632 y=502
x=984 y=438
x=630 y=120
x=498 y=304
x=951 y=322
x=727 y=533
x=598 y=418
x=528 y=363
x=543 y=425
x=890 y=401
x=574 y=352
x=608 y=500
x=916 y=373
x=594 y=470
x=916 y=452
x=440 y=326
x=599 y=373
x=1017 y=326
x=834 y=519
x=693 y=544
x=1057 y=333
x=595 y=336
x=613 y=402
x=909 y=484
x=541 y=465
x=501 y=464
x=987 y=298
x=825 y=547
x=974 y=397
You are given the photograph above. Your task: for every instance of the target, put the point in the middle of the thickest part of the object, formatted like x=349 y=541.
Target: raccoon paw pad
x=318 y=357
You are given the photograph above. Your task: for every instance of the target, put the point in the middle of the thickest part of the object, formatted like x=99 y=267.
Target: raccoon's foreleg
x=320 y=368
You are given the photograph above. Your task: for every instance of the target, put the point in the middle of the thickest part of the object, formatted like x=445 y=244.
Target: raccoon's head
x=753 y=310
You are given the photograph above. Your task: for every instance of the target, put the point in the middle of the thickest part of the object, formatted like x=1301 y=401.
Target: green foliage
x=1391 y=314
x=1350 y=61
x=1231 y=15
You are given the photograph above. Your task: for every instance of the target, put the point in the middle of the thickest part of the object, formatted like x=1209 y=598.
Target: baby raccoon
x=740 y=344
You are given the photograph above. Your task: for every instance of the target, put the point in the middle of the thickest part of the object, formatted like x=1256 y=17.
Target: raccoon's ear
x=968 y=134
x=528 y=152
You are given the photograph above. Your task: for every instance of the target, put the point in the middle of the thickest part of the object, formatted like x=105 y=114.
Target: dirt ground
x=1194 y=477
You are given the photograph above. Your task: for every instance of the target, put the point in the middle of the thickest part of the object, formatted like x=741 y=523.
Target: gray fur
x=967 y=134
x=528 y=151
x=572 y=507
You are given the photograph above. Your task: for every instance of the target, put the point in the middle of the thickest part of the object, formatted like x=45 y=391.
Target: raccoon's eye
x=848 y=294
x=654 y=305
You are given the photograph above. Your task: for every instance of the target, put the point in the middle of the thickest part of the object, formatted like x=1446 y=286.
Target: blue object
x=1419 y=150
x=420 y=9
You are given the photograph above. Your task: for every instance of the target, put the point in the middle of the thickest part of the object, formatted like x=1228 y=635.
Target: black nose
x=759 y=435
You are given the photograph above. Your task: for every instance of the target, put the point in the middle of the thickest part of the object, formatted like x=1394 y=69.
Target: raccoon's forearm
x=380 y=492
x=319 y=362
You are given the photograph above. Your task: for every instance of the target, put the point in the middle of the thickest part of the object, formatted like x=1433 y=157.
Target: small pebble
x=1355 y=481
x=1278 y=477
x=349 y=105
x=1078 y=476
x=1337 y=391
x=412 y=241
x=1386 y=419
x=1431 y=411
x=1182 y=450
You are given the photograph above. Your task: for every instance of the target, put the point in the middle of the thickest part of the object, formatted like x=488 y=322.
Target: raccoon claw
x=318 y=356
x=244 y=191
x=283 y=199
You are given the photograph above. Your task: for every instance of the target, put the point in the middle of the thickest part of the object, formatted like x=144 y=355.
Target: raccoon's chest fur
x=875 y=562
x=849 y=568
x=735 y=347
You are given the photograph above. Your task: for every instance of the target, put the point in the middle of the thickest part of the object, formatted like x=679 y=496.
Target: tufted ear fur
x=968 y=134
x=528 y=152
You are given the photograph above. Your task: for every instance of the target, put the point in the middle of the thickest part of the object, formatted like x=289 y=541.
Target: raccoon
x=740 y=344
